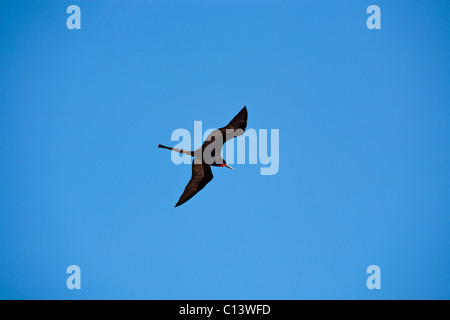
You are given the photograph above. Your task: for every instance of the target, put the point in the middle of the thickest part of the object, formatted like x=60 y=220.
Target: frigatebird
x=209 y=155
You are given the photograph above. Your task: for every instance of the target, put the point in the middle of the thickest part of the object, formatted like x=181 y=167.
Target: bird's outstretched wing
x=201 y=175
x=235 y=128
x=238 y=122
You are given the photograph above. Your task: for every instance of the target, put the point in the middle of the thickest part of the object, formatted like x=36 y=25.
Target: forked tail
x=189 y=153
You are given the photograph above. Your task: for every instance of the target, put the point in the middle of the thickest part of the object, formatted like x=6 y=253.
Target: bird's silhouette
x=209 y=155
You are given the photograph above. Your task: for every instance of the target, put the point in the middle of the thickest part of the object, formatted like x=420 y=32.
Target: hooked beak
x=229 y=167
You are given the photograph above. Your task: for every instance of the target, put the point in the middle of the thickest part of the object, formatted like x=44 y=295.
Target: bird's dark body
x=209 y=155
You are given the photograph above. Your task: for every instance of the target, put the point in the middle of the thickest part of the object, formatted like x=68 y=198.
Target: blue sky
x=364 y=122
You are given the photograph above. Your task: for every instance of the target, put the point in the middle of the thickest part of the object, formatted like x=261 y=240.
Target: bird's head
x=225 y=165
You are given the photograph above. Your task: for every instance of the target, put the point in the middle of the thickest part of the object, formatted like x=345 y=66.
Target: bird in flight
x=209 y=155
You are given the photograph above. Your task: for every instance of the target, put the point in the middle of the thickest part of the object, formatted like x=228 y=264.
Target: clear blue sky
x=364 y=120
